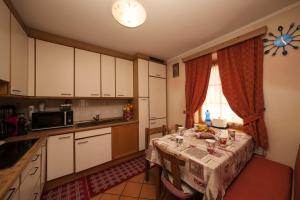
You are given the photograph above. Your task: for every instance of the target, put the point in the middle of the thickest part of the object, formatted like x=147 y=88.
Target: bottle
x=207 y=118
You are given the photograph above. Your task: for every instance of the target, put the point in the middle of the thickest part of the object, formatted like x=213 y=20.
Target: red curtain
x=241 y=73
x=197 y=73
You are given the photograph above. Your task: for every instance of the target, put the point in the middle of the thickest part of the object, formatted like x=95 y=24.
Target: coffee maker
x=11 y=124
x=5 y=112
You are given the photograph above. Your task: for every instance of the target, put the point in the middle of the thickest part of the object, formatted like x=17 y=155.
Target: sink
x=100 y=122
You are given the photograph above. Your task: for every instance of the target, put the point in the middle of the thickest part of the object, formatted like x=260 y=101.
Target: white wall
x=281 y=88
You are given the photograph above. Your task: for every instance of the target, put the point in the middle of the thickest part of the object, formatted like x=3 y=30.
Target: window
x=216 y=102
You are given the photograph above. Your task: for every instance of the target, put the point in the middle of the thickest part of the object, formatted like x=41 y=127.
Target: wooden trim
x=15 y=13
x=257 y=32
x=42 y=35
x=71 y=98
x=142 y=56
x=63 y=180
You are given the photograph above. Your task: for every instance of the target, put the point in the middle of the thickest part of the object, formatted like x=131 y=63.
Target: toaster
x=219 y=123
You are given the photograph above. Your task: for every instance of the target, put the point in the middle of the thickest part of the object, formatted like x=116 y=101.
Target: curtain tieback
x=253 y=117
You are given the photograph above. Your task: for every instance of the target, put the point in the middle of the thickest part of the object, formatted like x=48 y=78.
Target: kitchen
x=74 y=106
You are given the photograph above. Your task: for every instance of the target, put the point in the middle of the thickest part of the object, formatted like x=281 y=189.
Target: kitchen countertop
x=9 y=175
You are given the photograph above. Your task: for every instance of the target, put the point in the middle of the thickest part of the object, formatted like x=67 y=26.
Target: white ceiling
x=171 y=27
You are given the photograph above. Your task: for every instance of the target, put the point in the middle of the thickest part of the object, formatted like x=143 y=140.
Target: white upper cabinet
x=19 y=58
x=143 y=78
x=156 y=69
x=158 y=98
x=31 y=67
x=87 y=74
x=54 y=69
x=124 y=78
x=108 y=73
x=4 y=41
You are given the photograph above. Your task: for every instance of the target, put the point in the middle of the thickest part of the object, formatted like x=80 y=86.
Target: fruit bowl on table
x=208 y=134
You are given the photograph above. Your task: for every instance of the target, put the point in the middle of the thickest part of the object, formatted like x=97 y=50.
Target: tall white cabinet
x=87 y=73
x=54 y=70
x=151 y=96
x=19 y=56
x=158 y=98
x=5 y=42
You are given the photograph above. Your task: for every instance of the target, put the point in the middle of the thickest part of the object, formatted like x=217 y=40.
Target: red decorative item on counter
x=128 y=112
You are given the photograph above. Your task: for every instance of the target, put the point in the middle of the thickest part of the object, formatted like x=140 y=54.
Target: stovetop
x=11 y=152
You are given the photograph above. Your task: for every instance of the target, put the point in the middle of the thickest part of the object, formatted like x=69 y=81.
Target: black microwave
x=51 y=119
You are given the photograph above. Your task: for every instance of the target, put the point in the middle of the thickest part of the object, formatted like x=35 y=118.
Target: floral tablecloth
x=209 y=174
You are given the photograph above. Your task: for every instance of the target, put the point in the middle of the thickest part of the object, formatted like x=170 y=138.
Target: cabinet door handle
x=121 y=95
x=65 y=94
x=83 y=142
x=35 y=170
x=65 y=137
x=16 y=90
x=35 y=195
x=36 y=157
x=12 y=192
x=107 y=95
x=144 y=99
x=94 y=94
x=157 y=75
x=153 y=123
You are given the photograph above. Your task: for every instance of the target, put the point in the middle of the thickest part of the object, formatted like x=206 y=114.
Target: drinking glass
x=210 y=145
x=231 y=134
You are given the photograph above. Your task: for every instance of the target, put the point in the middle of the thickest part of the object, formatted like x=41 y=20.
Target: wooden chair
x=172 y=129
x=172 y=179
x=150 y=134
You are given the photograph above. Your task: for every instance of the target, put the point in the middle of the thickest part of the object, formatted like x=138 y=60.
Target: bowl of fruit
x=204 y=132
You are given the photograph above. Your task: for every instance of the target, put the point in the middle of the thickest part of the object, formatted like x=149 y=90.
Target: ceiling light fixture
x=129 y=13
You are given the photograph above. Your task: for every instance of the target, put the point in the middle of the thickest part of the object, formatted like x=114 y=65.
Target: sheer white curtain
x=216 y=102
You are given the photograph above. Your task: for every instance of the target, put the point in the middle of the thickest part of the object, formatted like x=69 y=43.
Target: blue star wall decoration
x=282 y=41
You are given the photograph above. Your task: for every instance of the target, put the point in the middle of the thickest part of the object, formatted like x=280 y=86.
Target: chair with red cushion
x=171 y=177
x=262 y=179
x=297 y=177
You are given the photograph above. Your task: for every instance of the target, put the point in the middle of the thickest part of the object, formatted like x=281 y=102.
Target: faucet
x=97 y=118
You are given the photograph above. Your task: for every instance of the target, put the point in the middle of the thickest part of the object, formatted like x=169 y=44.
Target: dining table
x=207 y=173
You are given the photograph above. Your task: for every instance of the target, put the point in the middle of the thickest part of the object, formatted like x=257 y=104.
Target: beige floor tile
x=138 y=178
x=110 y=197
x=128 y=198
x=118 y=189
x=132 y=189
x=148 y=191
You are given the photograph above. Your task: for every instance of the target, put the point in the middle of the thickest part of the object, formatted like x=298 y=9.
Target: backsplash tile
x=87 y=109
x=83 y=109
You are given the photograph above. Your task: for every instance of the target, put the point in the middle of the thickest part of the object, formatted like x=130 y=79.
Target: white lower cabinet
x=43 y=167
x=30 y=179
x=13 y=192
x=92 y=151
x=60 y=156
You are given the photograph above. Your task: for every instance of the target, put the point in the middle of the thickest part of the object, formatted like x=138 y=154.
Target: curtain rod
x=257 y=32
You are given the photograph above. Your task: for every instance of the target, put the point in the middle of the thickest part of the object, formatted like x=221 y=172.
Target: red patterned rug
x=86 y=187
x=101 y=181
x=75 y=190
